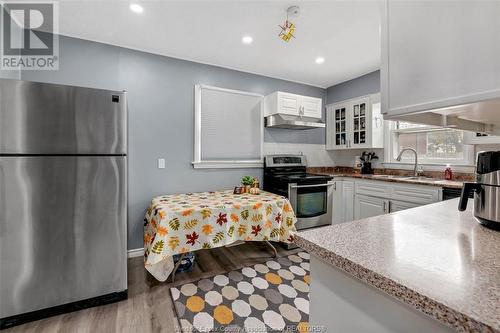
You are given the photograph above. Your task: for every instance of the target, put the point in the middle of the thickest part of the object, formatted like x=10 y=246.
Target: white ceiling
x=345 y=33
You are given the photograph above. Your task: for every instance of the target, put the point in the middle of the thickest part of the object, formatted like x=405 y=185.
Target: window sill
x=227 y=164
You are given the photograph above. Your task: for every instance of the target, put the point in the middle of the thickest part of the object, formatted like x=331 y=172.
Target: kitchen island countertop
x=433 y=258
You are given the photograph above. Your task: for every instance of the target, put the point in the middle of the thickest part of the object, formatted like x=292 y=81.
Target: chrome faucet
x=415 y=169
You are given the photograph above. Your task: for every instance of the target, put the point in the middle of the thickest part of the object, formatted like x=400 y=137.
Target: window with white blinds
x=228 y=128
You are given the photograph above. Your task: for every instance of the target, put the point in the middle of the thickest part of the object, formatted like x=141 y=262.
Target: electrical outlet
x=161 y=163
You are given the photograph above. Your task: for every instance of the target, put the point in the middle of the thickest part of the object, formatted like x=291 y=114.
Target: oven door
x=312 y=204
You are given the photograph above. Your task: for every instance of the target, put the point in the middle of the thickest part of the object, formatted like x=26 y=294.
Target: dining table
x=176 y=224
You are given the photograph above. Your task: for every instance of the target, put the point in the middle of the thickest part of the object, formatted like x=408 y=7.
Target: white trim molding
x=133 y=253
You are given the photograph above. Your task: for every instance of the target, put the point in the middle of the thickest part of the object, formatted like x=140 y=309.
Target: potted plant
x=247 y=183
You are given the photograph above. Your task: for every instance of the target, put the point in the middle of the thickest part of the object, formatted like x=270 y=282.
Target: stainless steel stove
x=311 y=195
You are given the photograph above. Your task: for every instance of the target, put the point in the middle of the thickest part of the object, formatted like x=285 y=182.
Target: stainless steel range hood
x=292 y=122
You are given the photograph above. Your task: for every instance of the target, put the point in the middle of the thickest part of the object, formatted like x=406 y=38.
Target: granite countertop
x=404 y=179
x=434 y=258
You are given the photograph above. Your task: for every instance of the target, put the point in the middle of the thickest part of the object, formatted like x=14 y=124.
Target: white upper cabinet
x=337 y=134
x=311 y=107
x=437 y=54
x=291 y=104
x=355 y=124
x=287 y=104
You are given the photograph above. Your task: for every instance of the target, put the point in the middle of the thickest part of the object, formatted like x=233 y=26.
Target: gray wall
x=160 y=97
x=363 y=85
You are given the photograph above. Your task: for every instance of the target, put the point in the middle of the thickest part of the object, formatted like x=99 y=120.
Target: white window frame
x=392 y=146
x=198 y=163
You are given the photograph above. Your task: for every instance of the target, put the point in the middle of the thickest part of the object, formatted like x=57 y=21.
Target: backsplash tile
x=316 y=154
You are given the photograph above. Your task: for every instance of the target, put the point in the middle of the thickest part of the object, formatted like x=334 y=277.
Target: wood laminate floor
x=149 y=307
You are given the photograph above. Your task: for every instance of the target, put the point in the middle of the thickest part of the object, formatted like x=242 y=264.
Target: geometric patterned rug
x=270 y=297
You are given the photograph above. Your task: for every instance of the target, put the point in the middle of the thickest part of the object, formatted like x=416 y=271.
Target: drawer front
x=415 y=194
x=375 y=189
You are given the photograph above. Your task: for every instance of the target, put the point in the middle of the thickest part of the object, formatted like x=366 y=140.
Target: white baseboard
x=135 y=252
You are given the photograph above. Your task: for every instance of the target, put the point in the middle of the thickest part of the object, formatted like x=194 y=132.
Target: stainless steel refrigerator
x=63 y=199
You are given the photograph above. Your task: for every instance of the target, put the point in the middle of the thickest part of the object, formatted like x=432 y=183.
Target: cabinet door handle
x=385 y=206
x=389 y=206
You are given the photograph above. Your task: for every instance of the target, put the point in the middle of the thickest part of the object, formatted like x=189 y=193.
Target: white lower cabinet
x=366 y=206
x=358 y=199
x=396 y=205
x=348 y=194
x=343 y=201
x=374 y=198
x=338 y=209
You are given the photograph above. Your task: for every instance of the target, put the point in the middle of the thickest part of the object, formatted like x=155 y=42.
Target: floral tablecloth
x=182 y=223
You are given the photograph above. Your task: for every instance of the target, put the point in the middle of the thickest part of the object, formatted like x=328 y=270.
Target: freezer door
x=62 y=230
x=41 y=118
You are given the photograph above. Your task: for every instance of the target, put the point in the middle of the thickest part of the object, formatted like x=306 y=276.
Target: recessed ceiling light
x=320 y=60
x=247 y=40
x=136 y=8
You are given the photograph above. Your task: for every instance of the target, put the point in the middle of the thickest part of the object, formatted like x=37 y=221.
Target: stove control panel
x=285 y=160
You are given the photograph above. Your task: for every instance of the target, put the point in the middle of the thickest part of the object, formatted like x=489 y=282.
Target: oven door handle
x=312 y=185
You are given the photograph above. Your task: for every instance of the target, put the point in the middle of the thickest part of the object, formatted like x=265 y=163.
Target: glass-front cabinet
x=358 y=122
x=340 y=125
x=355 y=123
